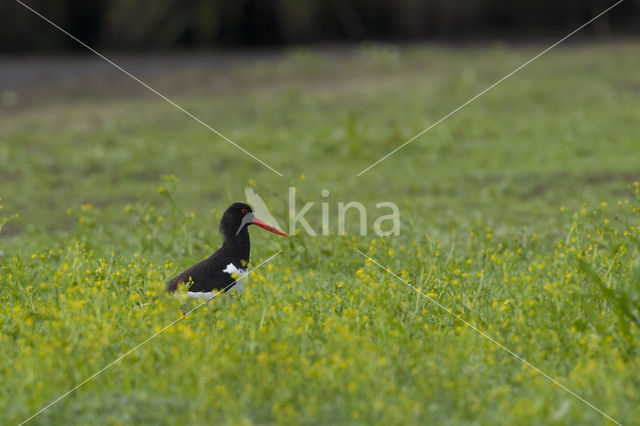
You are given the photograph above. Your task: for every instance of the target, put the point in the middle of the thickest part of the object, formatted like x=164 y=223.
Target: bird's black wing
x=206 y=276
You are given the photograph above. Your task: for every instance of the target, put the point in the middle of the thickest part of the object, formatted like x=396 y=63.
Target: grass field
x=520 y=214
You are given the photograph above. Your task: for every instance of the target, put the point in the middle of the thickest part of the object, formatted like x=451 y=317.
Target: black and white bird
x=223 y=270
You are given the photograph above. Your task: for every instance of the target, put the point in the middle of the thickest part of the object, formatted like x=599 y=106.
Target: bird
x=223 y=269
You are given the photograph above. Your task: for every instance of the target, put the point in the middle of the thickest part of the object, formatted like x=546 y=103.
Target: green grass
x=519 y=214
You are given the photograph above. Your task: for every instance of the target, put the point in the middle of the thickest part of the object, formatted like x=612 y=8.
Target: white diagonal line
x=150 y=88
x=94 y=375
x=492 y=340
x=490 y=87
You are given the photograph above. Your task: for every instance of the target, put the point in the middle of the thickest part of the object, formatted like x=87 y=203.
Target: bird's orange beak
x=263 y=225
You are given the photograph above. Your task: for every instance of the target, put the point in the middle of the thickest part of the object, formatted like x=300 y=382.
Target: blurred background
x=319 y=90
x=200 y=24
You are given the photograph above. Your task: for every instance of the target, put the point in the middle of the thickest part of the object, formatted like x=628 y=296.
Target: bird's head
x=238 y=217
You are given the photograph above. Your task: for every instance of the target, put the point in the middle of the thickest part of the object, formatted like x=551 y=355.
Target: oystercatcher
x=222 y=270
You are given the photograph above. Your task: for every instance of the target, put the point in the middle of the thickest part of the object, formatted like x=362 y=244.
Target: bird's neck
x=238 y=244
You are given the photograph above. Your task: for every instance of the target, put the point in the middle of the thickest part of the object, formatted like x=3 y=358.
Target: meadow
x=520 y=215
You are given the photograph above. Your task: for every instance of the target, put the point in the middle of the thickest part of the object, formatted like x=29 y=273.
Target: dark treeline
x=171 y=24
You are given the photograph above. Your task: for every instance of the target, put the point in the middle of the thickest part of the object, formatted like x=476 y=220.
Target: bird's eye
x=245 y=211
